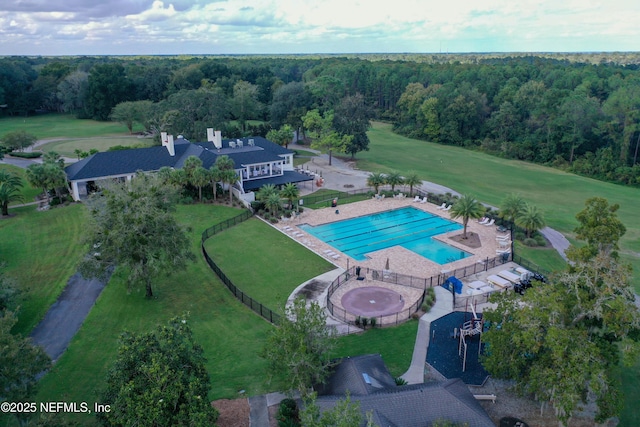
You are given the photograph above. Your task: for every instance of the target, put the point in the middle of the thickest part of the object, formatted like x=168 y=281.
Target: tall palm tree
x=412 y=180
x=230 y=177
x=512 y=206
x=531 y=219
x=290 y=192
x=394 y=178
x=375 y=180
x=10 y=185
x=199 y=178
x=265 y=191
x=467 y=207
x=215 y=175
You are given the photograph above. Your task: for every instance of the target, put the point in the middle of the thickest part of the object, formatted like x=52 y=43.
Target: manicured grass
x=28 y=192
x=630 y=377
x=395 y=345
x=41 y=251
x=54 y=125
x=264 y=263
x=546 y=258
x=558 y=194
x=304 y=153
x=67 y=147
x=230 y=333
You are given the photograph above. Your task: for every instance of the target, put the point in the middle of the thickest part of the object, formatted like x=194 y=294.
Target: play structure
x=469 y=328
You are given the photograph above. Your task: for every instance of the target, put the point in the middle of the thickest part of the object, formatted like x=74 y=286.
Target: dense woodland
x=576 y=112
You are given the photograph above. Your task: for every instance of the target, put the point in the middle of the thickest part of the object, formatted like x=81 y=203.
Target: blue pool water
x=408 y=227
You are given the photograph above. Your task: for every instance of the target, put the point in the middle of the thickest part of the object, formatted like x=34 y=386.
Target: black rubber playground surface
x=442 y=353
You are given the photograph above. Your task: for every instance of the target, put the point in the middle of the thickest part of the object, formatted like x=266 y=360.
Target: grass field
x=47 y=126
x=41 y=250
x=558 y=194
x=258 y=252
x=67 y=147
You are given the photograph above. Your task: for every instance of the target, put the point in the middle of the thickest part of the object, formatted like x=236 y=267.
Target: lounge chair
x=503 y=251
x=512 y=277
x=490 y=223
x=499 y=281
x=505 y=237
x=424 y=200
x=447 y=208
x=442 y=206
x=483 y=220
x=417 y=199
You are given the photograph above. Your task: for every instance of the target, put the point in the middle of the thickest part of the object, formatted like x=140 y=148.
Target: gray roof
x=415 y=405
x=126 y=162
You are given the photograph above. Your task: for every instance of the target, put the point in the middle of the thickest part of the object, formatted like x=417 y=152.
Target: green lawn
x=41 y=250
x=558 y=194
x=263 y=262
x=547 y=258
x=67 y=147
x=46 y=126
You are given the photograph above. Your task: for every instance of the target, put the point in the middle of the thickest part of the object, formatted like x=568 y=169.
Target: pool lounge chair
x=417 y=199
x=490 y=223
x=499 y=282
x=442 y=206
x=505 y=237
x=424 y=200
x=503 y=251
x=447 y=208
x=483 y=220
x=512 y=277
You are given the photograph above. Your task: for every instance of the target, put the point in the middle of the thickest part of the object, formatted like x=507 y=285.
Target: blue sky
x=147 y=27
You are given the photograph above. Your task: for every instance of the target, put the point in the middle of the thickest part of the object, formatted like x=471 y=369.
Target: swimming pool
x=408 y=227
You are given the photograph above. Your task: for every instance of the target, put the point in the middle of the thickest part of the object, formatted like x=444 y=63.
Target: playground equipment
x=469 y=329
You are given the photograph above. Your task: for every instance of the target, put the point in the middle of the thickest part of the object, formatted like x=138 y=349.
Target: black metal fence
x=254 y=305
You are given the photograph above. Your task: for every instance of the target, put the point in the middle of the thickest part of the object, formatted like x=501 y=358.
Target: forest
x=579 y=113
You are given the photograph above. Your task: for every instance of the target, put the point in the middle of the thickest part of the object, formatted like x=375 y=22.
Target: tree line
x=578 y=116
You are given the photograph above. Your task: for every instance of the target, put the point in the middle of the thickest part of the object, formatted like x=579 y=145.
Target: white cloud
x=246 y=26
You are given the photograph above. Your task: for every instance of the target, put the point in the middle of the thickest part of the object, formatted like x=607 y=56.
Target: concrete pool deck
x=400 y=260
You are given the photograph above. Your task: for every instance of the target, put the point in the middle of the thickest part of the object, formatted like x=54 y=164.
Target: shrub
x=288 y=415
x=541 y=240
x=273 y=220
x=530 y=242
x=31 y=155
x=373 y=322
x=400 y=381
x=519 y=235
x=187 y=200
x=358 y=321
x=364 y=322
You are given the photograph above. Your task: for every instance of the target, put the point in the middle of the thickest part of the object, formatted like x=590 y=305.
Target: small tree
x=134 y=228
x=375 y=180
x=290 y=192
x=273 y=203
x=511 y=207
x=10 y=186
x=159 y=378
x=298 y=348
x=199 y=178
x=467 y=207
x=345 y=413
x=282 y=136
x=412 y=180
x=531 y=219
x=18 y=140
x=394 y=178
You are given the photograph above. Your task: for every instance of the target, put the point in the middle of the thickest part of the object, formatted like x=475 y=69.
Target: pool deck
x=400 y=260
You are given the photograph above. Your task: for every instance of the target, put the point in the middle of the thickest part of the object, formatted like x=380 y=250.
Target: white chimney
x=217 y=141
x=170 y=147
x=210 y=135
x=163 y=138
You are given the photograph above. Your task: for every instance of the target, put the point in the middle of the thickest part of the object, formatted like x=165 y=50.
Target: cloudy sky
x=110 y=27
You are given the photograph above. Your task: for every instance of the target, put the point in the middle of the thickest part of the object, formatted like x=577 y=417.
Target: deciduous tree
x=159 y=379
x=18 y=140
x=298 y=348
x=133 y=228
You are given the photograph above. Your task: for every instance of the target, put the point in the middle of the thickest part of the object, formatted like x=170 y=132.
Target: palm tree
x=273 y=203
x=290 y=192
x=512 y=206
x=531 y=219
x=199 y=178
x=10 y=185
x=215 y=175
x=394 y=178
x=265 y=191
x=412 y=180
x=230 y=177
x=467 y=207
x=164 y=174
x=375 y=180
